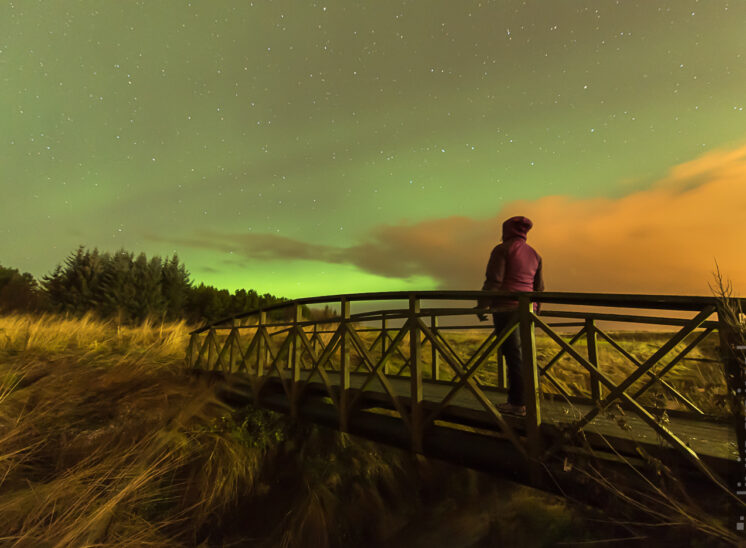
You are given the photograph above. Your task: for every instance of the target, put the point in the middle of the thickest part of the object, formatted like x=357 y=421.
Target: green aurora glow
x=143 y=124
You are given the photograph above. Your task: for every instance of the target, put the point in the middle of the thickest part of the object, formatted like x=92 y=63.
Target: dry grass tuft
x=104 y=441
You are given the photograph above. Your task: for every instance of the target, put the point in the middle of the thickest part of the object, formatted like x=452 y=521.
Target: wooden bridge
x=425 y=375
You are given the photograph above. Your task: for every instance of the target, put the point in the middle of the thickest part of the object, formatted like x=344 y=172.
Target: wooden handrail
x=659 y=302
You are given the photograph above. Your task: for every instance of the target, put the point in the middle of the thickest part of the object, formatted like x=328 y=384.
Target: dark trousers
x=511 y=349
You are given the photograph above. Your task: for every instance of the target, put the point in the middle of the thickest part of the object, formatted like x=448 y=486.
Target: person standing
x=513 y=266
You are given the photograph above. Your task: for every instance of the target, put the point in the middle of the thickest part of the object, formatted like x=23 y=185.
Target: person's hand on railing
x=481 y=315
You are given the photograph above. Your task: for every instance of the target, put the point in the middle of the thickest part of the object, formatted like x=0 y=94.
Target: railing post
x=733 y=355
x=384 y=340
x=294 y=359
x=190 y=351
x=232 y=356
x=210 y=348
x=435 y=356
x=261 y=351
x=592 y=342
x=344 y=367
x=415 y=369
x=531 y=388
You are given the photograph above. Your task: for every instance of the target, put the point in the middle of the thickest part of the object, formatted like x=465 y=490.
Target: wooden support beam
x=481 y=397
x=415 y=370
x=204 y=347
x=384 y=341
x=435 y=359
x=232 y=355
x=344 y=366
x=657 y=376
x=261 y=356
x=575 y=338
x=654 y=377
x=375 y=370
x=317 y=366
x=189 y=361
x=531 y=388
x=210 y=348
x=592 y=342
x=295 y=360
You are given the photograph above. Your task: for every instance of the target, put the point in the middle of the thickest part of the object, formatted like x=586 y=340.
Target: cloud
x=664 y=239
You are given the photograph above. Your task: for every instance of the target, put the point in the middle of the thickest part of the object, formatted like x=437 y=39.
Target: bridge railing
x=350 y=355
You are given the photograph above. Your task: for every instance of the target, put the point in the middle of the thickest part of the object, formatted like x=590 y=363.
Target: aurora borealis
x=310 y=148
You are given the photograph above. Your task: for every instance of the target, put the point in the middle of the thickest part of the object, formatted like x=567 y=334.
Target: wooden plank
x=592 y=344
x=624 y=318
x=706 y=437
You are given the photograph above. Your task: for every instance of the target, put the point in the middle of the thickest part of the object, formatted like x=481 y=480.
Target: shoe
x=511 y=409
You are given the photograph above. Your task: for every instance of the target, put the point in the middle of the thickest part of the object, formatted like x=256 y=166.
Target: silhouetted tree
x=175 y=285
x=128 y=288
x=19 y=292
x=119 y=295
x=76 y=287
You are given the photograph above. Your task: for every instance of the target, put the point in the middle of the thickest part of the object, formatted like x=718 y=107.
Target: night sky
x=308 y=148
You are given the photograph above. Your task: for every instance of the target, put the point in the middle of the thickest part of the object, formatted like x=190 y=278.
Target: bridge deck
x=707 y=437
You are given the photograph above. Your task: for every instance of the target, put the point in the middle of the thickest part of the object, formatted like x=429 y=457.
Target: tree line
x=125 y=287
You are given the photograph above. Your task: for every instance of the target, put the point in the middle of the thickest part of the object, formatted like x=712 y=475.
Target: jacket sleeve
x=493 y=279
x=539 y=277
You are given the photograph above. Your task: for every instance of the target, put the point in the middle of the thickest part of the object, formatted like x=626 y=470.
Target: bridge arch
x=417 y=370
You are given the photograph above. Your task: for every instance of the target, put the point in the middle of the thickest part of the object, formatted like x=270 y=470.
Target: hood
x=516 y=227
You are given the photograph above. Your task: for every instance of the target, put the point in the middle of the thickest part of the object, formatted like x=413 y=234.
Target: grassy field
x=105 y=441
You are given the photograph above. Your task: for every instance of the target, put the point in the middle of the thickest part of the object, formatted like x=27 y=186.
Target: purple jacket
x=513 y=266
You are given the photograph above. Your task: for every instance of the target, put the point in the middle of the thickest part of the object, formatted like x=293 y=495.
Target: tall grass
x=105 y=440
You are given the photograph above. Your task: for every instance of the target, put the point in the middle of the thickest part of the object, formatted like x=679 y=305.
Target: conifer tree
x=76 y=287
x=175 y=286
x=119 y=292
x=19 y=292
x=147 y=282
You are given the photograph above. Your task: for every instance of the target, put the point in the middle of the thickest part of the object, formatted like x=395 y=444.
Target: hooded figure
x=513 y=266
